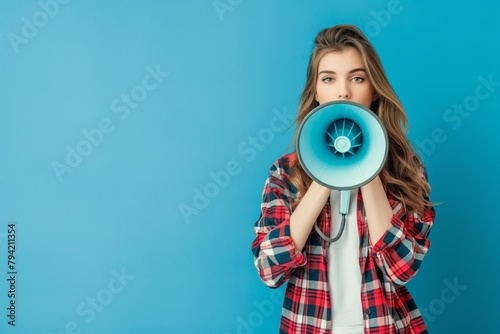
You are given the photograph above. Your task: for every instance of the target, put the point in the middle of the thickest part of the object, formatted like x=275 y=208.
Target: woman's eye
x=327 y=79
x=358 y=79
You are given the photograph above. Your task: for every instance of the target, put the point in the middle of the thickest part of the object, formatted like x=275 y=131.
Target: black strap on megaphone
x=345 y=198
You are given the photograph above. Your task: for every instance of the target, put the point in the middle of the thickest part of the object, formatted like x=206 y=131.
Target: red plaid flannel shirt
x=385 y=267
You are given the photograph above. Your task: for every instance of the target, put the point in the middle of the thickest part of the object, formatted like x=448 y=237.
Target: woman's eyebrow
x=357 y=70
x=351 y=71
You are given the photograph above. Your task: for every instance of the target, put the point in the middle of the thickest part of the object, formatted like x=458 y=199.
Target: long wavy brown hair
x=402 y=173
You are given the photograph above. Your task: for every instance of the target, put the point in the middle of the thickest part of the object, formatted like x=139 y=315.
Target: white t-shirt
x=344 y=273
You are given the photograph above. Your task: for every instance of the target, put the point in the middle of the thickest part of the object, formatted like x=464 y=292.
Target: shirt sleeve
x=401 y=250
x=275 y=254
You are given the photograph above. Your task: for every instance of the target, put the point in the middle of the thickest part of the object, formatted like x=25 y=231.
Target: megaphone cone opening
x=352 y=130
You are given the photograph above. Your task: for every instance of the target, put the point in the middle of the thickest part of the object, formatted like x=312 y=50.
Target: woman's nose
x=343 y=92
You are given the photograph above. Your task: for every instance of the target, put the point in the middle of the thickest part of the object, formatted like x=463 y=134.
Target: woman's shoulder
x=283 y=164
x=281 y=173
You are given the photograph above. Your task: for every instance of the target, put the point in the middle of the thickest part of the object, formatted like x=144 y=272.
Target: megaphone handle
x=345 y=199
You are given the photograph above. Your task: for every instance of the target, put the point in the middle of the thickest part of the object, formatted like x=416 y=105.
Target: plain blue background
x=231 y=71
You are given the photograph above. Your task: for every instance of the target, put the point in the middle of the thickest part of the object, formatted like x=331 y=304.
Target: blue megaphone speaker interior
x=342 y=145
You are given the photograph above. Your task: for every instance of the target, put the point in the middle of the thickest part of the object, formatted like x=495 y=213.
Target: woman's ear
x=375 y=97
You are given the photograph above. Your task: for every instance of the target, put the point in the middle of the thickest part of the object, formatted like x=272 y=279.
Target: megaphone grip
x=345 y=199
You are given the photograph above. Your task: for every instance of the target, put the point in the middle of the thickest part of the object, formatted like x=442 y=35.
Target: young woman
x=356 y=284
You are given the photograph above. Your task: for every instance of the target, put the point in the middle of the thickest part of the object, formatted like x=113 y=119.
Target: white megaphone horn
x=342 y=145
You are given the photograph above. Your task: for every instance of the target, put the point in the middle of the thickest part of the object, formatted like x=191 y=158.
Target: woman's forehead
x=344 y=60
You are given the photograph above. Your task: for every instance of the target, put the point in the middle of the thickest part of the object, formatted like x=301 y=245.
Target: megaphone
x=342 y=145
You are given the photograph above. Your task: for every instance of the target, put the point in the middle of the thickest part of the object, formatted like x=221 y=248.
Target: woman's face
x=342 y=76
